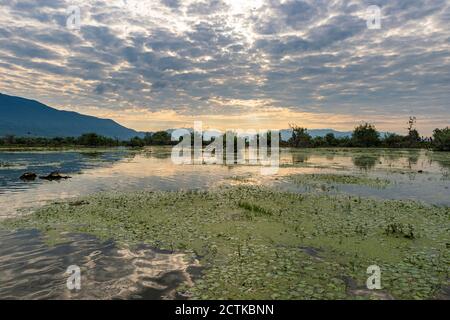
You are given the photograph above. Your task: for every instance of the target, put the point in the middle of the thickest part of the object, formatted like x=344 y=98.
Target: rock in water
x=28 y=176
x=54 y=176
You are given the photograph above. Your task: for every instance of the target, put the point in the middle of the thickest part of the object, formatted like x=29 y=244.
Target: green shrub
x=441 y=139
x=366 y=135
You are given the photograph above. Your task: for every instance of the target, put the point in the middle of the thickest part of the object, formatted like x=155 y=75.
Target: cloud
x=198 y=58
x=174 y=4
x=28 y=50
x=207 y=7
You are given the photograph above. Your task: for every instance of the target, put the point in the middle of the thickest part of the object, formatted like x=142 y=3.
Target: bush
x=393 y=140
x=331 y=140
x=160 y=138
x=94 y=140
x=441 y=139
x=136 y=142
x=300 y=137
x=366 y=135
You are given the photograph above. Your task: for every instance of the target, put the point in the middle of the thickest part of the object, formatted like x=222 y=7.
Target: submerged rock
x=54 y=176
x=28 y=176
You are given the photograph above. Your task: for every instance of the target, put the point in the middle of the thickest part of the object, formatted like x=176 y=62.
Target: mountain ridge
x=26 y=117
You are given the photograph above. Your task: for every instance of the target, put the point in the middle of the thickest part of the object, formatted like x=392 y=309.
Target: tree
x=441 y=139
x=330 y=140
x=366 y=135
x=89 y=139
x=148 y=138
x=318 y=142
x=393 y=140
x=9 y=139
x=161 y=138
x=300 y=137
x=413 y=135
x=136 y=142
x=94 y=140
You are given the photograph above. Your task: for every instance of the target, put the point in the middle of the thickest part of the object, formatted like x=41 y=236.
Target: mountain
x=23 y=117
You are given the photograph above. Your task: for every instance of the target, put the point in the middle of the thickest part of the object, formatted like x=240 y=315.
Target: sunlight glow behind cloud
x=154 y=64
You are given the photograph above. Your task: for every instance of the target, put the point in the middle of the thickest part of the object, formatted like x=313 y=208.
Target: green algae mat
x=261 y=243
x=331 y=179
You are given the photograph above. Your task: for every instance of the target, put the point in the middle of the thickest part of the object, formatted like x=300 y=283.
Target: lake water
x=153 y=169
x=30 y=268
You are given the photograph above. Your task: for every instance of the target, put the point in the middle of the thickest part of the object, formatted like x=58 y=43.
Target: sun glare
x=240 y=6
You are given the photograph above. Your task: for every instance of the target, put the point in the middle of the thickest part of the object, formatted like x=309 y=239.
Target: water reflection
x=365 y=162
x=413 y=157
x=42 y=163
x=152 y=169
x=442 y=159
x=31 y=269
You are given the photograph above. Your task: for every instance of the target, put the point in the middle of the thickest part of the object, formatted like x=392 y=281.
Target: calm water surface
x=120 y=170
x=30 y=268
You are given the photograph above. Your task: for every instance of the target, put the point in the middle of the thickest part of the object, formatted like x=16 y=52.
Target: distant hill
x=287 y=133
x=23 y=117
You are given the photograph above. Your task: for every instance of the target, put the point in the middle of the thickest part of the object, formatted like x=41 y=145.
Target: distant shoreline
x=128 y=148
x=60 y=148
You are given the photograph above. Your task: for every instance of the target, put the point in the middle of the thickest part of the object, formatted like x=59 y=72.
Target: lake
x=110 y=170
x=30 y=267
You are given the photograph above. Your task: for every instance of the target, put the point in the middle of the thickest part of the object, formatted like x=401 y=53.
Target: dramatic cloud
x=152 y=64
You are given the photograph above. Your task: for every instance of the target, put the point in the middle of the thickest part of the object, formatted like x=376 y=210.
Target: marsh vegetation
x=251 y=240
x=309 y=232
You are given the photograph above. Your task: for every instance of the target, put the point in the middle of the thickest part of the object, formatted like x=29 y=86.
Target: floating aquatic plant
x=318 y=180
x=262 y=257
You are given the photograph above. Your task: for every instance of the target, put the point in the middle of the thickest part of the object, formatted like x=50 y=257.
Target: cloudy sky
x=156 y=64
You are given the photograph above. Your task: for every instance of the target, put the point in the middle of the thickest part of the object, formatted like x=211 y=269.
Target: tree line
x=87 y=140
x=363 y=136
x=367 y=136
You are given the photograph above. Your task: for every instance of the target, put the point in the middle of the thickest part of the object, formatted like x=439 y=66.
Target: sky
x=233 y=64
